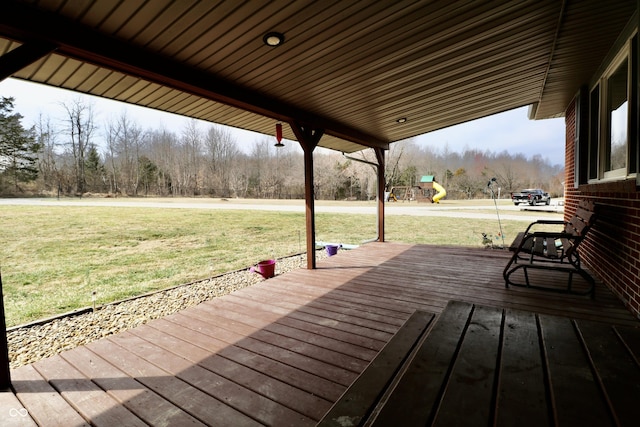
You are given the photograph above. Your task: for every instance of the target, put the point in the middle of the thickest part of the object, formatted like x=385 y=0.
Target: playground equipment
x=427 y=183
x=441 y=192
x=423 y=192
x=403 y=193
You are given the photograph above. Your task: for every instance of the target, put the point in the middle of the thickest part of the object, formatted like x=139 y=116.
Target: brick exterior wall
x=612 y=249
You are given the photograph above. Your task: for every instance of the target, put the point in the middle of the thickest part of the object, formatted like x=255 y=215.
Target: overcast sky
x=511 y=131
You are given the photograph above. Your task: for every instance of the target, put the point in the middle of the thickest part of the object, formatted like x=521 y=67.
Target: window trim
x=605 y=117
x=599 y=126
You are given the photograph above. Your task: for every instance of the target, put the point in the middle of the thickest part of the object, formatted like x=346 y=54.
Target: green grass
x=54 y=258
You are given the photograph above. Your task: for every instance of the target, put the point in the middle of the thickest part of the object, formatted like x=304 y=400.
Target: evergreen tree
x=94 y=170
x=18 y=146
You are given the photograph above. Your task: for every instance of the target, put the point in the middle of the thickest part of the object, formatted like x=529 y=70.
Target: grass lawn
x=54 y=258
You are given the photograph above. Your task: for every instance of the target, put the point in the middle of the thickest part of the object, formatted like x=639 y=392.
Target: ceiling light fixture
x=273 y=39
x=401 y=120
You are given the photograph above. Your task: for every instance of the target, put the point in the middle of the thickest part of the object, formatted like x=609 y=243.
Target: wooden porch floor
x=278 y=353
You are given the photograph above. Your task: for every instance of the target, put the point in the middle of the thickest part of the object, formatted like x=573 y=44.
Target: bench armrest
x=555 y=235
x=545 y=222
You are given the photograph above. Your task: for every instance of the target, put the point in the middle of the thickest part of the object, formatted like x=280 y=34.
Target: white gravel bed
x=29 y=344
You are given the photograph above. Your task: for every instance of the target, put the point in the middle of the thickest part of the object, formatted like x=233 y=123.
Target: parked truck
x=531 y=196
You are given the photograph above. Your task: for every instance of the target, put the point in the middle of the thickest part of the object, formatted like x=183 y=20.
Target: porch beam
x=23 y=56
x=308 y=137
x=381 y=189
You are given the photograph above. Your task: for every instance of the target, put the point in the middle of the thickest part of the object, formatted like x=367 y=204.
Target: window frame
x=599 y=118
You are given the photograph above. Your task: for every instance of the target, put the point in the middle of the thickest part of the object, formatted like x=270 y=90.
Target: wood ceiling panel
x=110 y=80
x=74 y=9
x=451 y=84
x=216 y=35
x=131 y=20
x=116 y=90
x=355 y=67
x=64 y=73
x=199 y=107
x=90 y=84
x=448 y=73
x=164 y=41
x=318 y=39
x=582 y=20
x=164 y=96
x=43 y=70
x=83 y=73
x=95 y=14
x=365 y=90
x=120 y=16
x=403 y=48
x=162 y=24
x=154 y=93
x=195 y=31
x=181 y=101
x=7 y=46
x=134 y=92
x=224 y=57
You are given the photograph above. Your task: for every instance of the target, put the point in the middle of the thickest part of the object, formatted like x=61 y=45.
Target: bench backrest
x=580 y=223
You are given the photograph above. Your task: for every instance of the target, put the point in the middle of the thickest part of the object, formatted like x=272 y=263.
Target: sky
x=511 y=131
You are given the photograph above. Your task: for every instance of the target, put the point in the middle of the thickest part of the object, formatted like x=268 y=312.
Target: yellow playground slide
x=441 y=192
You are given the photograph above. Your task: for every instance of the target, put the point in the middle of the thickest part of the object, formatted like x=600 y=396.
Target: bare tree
x=190 y=159
x=220 y=150
x=162 y=149
x=48 y=156
x=129 y=140
x=111 y=155
x=80 y=128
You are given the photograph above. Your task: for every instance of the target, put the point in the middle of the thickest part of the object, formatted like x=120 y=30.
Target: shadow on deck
x=281 y=352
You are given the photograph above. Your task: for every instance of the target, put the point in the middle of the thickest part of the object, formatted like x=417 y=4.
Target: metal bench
x=544 y=250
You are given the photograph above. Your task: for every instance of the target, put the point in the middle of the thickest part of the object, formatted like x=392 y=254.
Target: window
x=617 y=120
x=612 y=154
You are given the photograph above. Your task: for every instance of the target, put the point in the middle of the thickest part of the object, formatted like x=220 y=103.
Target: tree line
x=77 y=156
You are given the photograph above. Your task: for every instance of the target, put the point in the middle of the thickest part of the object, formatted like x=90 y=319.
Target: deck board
x=43 y=400
x=282 y=352
x=571 y=385
x=308 y=383
x=14 y=414
x=148 y=405
x=289 y=337
x=264 y=410
x=472 y=373
x=521 y=394
x=482 y=366
x=190 y=399
x=91 y=401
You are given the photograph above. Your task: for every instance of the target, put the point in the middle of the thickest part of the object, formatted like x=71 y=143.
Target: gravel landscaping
x=28 y=344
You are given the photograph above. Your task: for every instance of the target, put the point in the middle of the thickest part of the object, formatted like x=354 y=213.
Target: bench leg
x=569 y=289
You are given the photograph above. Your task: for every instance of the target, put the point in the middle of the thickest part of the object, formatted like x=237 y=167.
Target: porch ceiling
x=351 y=68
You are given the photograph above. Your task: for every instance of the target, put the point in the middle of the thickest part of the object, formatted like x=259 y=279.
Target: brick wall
x=612 y=248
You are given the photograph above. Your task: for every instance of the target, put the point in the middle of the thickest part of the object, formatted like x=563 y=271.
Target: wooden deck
x=279 y=353
x=484 y=366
